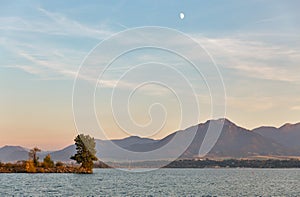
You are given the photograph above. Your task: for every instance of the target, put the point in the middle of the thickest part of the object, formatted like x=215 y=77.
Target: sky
x=254 y=44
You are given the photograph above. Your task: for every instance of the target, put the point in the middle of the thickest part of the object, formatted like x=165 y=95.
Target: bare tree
x=33 y=155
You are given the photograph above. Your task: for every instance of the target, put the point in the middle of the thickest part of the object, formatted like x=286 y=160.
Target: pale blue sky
x=256 y=45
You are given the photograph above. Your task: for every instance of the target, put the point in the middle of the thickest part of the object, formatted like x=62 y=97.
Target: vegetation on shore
x=29 y=167
x=86 y=152
x=86 y=155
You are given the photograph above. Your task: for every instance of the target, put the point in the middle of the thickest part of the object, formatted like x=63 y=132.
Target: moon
x=181 y=15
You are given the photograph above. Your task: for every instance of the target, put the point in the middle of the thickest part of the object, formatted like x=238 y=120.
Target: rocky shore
x=22 y=168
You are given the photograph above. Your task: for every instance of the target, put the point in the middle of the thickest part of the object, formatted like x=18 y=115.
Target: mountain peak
x=224 y=121
x=13 y=147
x=289 y=126
x=133 y=137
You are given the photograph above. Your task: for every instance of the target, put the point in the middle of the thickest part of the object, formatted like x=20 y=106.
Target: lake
x=162 y=182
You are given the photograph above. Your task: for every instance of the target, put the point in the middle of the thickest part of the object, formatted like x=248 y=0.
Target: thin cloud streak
x=72 y=27
x=53 y=24
x=28 y=69
x=255 y=59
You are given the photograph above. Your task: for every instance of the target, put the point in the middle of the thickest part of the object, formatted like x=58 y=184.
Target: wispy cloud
x=59 y=69
x=55 y=66
x=273 y=19
x=243 y=55
x=257 y=104
x=263 y=71
x=64 y=25
x=256 y=59
x=28 y=69
x=53 y=24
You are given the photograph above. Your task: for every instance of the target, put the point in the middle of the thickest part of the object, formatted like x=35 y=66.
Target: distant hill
x=287 y=135
x=13 y=153
x=234 y=142
x=64 y=154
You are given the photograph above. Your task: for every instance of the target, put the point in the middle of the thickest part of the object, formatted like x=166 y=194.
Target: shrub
x=59 y=164
x=30 y=167
x=48 y=163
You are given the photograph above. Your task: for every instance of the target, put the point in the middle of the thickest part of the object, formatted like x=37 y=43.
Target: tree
x=86 y=152
x=33 y=156
x=48 y=163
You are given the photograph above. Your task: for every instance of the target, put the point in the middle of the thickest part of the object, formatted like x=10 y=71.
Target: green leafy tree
x=86 y=152
x=33 y=155
x=48 y=163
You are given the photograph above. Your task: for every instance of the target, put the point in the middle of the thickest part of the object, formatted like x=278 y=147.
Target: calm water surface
x=162 y=182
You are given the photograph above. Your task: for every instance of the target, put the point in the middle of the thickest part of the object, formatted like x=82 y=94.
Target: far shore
x=20 y=167
x=210 y=163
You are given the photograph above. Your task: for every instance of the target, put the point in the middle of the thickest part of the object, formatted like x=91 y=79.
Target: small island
x=85 y=157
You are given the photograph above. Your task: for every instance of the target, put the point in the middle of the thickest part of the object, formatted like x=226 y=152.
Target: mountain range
x=234 y=142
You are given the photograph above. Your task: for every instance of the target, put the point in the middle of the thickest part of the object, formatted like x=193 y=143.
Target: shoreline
x=209 y=163
x=184 y=164
x=21 y=168
x=133 y=169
